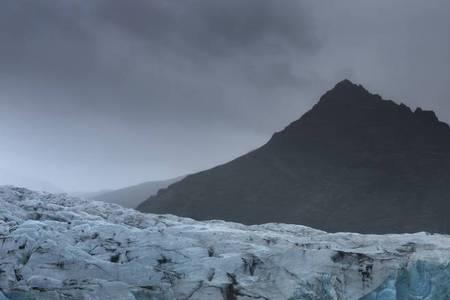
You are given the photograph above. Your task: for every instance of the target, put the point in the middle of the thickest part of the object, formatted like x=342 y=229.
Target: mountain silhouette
x=354 y=162
x=132 y=196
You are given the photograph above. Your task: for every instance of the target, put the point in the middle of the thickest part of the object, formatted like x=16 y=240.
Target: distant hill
x=354 y=162
x=132 y=196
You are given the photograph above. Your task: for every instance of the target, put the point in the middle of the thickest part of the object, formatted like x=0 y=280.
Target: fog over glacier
x=106 y=93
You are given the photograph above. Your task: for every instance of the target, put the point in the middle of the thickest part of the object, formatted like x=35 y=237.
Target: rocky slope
x=58 y=247
x=354 y=162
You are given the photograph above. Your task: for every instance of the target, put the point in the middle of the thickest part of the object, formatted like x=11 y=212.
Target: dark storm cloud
x=102 y=93
x=151 y=52
x=124 y=85
x=39 y=37
x=213 y=27
x=71 y=36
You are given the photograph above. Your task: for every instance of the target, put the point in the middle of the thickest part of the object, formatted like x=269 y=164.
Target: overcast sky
x=106 y=93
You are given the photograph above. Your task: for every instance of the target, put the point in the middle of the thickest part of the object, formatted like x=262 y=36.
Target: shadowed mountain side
x=354 y=162
x=132 y=196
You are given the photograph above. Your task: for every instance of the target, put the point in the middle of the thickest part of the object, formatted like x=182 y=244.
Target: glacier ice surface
x=60 y=247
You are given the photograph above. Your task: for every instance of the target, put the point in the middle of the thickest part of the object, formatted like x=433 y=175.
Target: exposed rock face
x=354 y=162
x=56 y=247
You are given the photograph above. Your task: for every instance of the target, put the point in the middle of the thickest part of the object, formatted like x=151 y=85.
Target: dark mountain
x=132 y=196
x=354 y=162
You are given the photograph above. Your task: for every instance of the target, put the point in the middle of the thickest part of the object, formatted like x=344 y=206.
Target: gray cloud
x=160 y=54
x=213 y=27
x=104 y=93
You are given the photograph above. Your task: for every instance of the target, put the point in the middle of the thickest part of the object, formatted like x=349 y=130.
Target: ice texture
x=61 y=247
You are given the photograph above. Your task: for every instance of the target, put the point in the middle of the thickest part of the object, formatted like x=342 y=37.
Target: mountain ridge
x=354 y=162
x=133 y=195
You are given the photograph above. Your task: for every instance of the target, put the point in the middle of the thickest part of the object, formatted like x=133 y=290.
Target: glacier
x=60 y=247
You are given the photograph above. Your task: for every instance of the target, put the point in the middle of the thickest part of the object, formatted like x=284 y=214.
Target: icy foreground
x=58 y=247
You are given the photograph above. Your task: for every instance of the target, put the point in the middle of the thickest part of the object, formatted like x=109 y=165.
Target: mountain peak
x=354 y=162
x=350 y=106
x=347 y=93
x=349 y=98
x=345 y=83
